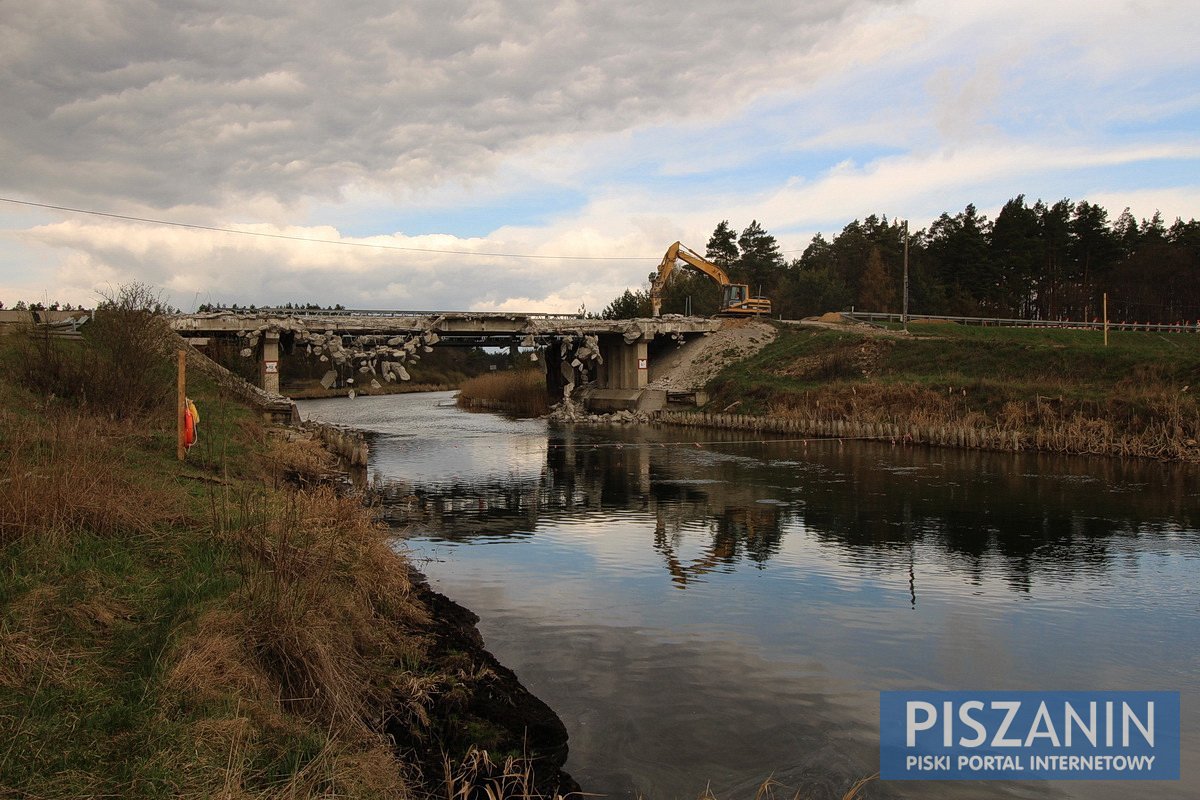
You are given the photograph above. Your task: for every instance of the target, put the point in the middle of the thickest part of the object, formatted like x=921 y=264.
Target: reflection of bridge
x=881 y=507
x=613 y=354
x=581 y=479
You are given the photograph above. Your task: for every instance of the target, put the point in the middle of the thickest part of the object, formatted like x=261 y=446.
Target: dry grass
x=478 y=777
x=771 y=789
x=519 y=391
x=1146 y=422
x=66 y=473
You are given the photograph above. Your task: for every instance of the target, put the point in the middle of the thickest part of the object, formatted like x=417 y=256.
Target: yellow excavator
x=735 y=297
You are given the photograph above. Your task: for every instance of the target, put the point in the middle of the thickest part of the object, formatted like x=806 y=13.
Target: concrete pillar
x=268 y=365
x=625 y=365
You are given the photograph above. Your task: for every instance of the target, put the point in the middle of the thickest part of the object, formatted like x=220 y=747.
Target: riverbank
x=313 y=390
x=209 y=627
x=993 y=388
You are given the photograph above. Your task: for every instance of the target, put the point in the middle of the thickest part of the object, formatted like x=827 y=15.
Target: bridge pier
x=268 y=363
x=626 y=365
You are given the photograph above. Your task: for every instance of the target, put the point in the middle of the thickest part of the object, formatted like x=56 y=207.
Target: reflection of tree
x=754 y=531
x=981 y=514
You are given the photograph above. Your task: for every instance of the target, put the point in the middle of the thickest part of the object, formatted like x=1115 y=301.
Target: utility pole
x=904 y=313
x=1106 y=319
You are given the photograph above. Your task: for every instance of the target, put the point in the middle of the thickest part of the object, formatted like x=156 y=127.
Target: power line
x=370 y=245
x=343 y=243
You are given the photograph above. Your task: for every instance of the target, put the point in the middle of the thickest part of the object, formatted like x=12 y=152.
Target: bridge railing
x=1152 y=327
x=375 y=312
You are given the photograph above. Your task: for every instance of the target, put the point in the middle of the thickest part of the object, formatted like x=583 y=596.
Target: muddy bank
x=491 y=710
x=481 y=705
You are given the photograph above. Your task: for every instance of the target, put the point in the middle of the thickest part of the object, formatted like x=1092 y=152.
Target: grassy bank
x=207 y=628
x=519 y=391
x=1054 y=390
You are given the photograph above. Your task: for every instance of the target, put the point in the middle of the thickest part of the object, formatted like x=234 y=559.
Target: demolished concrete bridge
x=603 y=363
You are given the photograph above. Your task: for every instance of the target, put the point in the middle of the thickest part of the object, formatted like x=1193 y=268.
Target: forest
x=1035 y=261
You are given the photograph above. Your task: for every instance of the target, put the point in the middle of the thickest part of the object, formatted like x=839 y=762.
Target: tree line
x=1040 y=261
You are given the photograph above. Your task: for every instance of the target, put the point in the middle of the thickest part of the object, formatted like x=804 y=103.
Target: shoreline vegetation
x=1058 y=391
x=944 y=384
x=237 y=624
x=520 y=392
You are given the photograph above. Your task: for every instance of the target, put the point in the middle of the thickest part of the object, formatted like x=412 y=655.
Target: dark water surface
x=715 y=615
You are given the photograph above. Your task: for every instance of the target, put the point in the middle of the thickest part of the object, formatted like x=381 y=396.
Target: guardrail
x=1151 y=327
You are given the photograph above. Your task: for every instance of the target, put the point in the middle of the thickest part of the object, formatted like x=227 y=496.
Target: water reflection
x=705 y=609
x=980 y=514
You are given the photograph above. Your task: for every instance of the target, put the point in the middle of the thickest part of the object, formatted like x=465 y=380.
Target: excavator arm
x=736 y=299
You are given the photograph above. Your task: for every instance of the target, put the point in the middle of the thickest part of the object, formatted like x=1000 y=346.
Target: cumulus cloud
x=185 y=103
x=617 y=128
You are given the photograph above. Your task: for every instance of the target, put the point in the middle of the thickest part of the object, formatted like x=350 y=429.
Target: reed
x=521 y=392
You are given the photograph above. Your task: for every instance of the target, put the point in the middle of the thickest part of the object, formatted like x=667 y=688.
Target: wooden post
x=181 y=406
x=1106 y=319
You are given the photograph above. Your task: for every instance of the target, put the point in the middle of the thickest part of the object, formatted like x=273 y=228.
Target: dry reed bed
x=1153 y=424
x=518 y=391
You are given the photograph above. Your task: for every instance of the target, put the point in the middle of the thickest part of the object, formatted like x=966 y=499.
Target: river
x=705 y=609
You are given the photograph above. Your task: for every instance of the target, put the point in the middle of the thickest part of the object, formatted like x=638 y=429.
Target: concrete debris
x=375 y=384
x=403 y=373
x=247 y=352
x=329 y=379
x=571 y=412
x=533 y=357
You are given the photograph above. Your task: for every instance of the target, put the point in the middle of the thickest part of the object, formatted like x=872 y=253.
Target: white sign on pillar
x=271 y=367
x=641 y=363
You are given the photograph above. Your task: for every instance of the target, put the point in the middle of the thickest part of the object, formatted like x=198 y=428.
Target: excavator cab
x=737 y=302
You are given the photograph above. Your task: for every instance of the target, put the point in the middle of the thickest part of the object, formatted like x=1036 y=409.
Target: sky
x=537 y=156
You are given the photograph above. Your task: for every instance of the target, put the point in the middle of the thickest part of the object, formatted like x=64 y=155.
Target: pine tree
x=760 y=264
x=722 y=246
x=877 y=292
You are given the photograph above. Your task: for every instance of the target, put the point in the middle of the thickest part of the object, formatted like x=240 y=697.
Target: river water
x=705 y=609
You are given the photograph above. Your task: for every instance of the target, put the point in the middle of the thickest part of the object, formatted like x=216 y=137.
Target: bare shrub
x=121 y=369
x=131 y=336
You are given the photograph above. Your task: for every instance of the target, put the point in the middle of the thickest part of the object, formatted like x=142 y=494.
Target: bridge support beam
x=268 y=364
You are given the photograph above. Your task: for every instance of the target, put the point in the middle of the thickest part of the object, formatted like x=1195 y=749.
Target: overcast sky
x=600 y=129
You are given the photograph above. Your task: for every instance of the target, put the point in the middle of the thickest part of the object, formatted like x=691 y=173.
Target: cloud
x=553 y=128
x=186 y=104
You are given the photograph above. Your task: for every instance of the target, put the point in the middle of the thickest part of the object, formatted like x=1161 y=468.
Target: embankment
x=994 y=388
x=222 y=626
